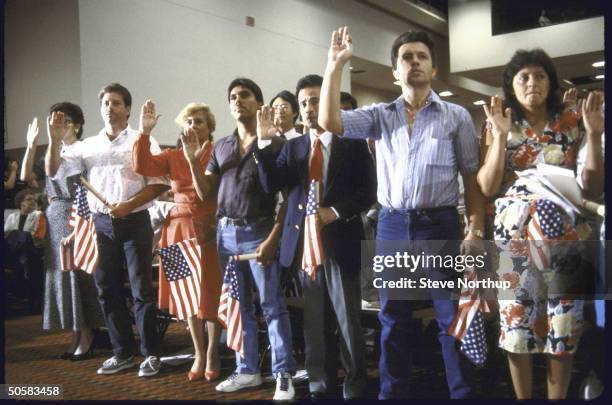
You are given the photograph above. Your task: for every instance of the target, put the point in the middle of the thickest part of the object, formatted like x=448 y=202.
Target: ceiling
x=377 y=76
x=568 y=68
x=488 y=80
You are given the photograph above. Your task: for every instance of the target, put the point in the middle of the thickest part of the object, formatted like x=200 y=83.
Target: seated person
x=24 y=233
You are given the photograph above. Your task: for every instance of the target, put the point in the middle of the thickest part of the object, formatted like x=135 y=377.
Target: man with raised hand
x=344 y=170
x=123 y=232
x=246 y=224
x=422 y=142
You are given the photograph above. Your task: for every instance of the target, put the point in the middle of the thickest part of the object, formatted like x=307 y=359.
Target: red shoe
x=211 y=375
x=191 y=376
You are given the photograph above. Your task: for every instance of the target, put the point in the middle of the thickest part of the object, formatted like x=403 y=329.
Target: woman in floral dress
x=536 y=128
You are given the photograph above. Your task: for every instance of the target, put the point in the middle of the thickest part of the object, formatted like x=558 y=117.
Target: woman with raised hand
x=193 y=216
x=537 y=128
x=70 y=300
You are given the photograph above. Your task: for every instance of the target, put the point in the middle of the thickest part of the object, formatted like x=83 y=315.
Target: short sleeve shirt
x=240 y=193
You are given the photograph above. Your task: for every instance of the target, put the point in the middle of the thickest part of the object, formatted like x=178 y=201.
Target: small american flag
x=85 y=249
x=66 y=257
x=468 y=326
x=182 y=267
x=229 y=308
x=313 y=248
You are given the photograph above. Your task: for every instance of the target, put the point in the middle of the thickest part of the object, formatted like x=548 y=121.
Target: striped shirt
x=420 y=170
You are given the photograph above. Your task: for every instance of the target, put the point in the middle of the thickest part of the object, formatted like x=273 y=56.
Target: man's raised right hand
x=148 y=117
x=341 y=47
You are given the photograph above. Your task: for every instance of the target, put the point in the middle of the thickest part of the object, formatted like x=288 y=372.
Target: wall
x=473 y=47
x=368 y=95
x=173 y=51
x=42 y=63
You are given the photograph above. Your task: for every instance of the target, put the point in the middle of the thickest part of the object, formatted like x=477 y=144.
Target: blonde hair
x=192 y=108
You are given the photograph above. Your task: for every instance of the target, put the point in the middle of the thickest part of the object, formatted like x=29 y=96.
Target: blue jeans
x=130 y=237
x=233 y=240
x=396 y=315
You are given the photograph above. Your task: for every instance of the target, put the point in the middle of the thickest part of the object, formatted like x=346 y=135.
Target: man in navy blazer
x=332 y=299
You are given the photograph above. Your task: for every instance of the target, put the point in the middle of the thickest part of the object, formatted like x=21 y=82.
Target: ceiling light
x=446 y=93
x=480 y=102
x=568 y=82
x=350 y=68
x=600 y=77
x=599 y=64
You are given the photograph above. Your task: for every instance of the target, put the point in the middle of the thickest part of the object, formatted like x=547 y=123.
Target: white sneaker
x=284 y=387
x=237 y=382
x=149 y=367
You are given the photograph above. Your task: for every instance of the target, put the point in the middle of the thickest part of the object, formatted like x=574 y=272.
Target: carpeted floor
x=32 y=357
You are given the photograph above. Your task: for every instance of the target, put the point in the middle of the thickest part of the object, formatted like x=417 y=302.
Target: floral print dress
x=537 y=320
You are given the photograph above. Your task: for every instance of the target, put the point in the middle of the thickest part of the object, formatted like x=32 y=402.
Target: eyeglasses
x=67 y=121
x=281 y=107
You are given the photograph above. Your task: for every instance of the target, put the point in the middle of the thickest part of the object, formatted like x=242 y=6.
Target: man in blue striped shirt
x=422 y=143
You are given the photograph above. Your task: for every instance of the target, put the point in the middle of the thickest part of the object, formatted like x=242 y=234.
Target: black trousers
x=126 y=238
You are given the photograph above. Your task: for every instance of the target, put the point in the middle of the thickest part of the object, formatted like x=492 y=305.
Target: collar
x=125 y=131
x=399 y=105
x=325 y=138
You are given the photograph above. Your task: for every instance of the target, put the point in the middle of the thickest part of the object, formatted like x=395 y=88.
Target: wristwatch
x=476 y=232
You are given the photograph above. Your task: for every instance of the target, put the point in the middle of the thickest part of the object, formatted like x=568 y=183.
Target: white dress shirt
x=292 y=133
x=110 y=171
x=325 y=138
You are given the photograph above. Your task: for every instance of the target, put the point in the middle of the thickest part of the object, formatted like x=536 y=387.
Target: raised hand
x=33 y=132
x=592 y=115
x=341 y=47
x=570 y=98
x=56 y=127
x=148 y=117
x=265 y=123
x=191 y=146
x=500 y=120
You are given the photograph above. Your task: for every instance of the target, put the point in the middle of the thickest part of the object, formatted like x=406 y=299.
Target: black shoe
x=317 y=396
x=66 y=355
x=87 y=355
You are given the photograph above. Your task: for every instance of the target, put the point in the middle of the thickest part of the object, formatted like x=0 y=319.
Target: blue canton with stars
x=474 y=343
x=82 y=206
x=550 y=219
x=231 y=280
x=174 y=263
x=311 y=204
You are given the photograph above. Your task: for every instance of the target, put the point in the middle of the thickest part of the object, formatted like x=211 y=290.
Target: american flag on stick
x=468 y=326
x=313 y=247
x=66 y=257
x=85 y=250
x=229 y=308
x=182 y=267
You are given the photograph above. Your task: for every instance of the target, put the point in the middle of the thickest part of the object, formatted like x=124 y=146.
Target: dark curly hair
x=521 y=59
x=73 y=111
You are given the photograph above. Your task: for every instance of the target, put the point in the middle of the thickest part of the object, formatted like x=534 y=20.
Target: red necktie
x=316 y=163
